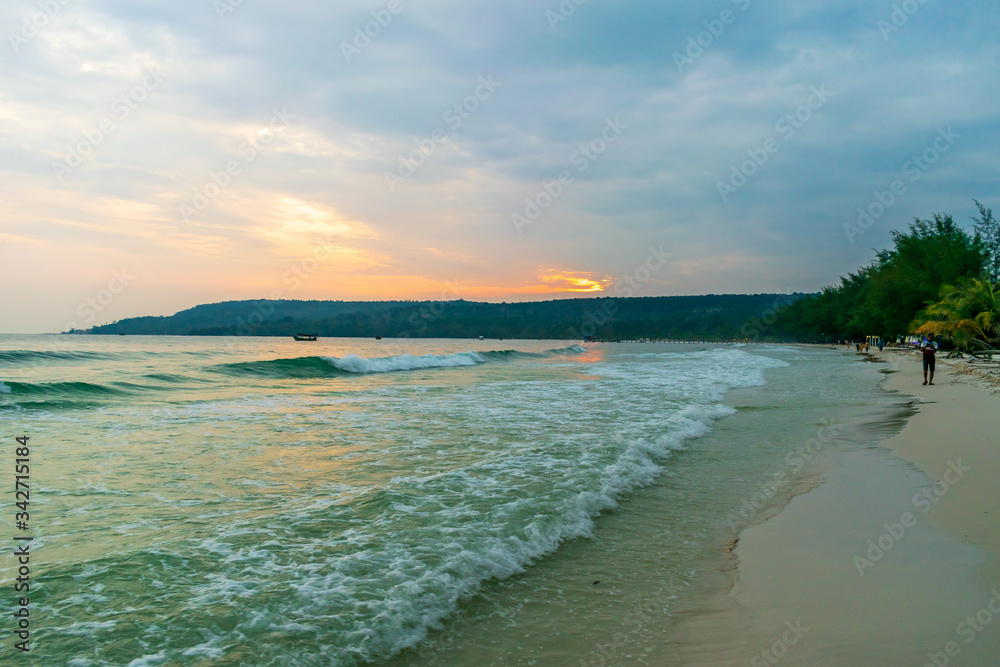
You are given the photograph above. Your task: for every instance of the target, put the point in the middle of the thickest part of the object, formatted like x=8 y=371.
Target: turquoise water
x=255 y=501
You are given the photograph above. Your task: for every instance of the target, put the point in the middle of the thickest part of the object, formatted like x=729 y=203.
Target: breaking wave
x=322 y=366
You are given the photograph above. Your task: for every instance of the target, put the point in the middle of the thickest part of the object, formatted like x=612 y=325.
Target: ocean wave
x=172 y=378
x=26 y=356
x=56 y=395
x=451 y=532
x=326 y=366
x=352 y=363
x=386 y=568
x=63 y=389
x=566 y=351
x=432 y=497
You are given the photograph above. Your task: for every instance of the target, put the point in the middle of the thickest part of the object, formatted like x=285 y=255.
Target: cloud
x=324 y=172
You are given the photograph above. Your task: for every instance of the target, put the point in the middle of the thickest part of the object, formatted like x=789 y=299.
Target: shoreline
x=965 y=416
x=623 y=595
x=889 y=557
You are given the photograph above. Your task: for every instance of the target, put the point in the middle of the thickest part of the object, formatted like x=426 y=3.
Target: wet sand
x=894 y=559
x=959 y=418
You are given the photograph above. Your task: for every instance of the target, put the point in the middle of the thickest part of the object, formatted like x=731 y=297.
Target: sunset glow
x=232 y=154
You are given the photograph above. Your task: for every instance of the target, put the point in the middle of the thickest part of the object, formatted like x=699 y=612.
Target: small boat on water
x=302 y=336
x=378 y=338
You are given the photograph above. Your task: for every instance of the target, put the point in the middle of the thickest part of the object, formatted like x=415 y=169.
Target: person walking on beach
x=929 y=346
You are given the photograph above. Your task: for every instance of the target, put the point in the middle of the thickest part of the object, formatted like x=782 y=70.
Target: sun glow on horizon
x=576 y=284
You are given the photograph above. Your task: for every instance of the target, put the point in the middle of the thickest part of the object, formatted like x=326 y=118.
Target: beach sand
x=894 y=559
x=959 y=418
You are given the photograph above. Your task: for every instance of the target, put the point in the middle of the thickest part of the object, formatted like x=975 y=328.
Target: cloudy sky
x=158 y=155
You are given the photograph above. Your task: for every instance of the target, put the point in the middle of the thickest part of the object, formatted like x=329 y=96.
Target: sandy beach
x=894 y=559
x=958 y=418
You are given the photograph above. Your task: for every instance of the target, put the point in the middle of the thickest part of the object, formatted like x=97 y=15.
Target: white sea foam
x=446 y=530
x=352 y=363
x=149 y=660
x=423 y=496
x=88 y=628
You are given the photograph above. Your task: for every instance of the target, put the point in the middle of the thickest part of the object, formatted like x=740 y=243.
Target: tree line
x=936 y=279
x=719 y=317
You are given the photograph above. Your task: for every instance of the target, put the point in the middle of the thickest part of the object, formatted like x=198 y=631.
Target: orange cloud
x=555 y=281
x=376 y=285
x=575 y=283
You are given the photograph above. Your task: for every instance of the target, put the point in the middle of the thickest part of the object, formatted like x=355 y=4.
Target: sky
x=160 y=155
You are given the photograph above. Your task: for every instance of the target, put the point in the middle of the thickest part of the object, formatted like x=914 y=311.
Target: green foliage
x=988 y=231
x=711 y=317
x=968 y=314
x=883 y=298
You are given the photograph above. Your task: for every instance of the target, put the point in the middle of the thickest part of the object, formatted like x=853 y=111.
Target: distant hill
x=718 y=317
x=229 y=315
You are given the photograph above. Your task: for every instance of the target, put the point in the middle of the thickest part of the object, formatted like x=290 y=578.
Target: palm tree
x=968 y=312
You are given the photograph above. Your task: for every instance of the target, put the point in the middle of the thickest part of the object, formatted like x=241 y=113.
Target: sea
x=262 y=501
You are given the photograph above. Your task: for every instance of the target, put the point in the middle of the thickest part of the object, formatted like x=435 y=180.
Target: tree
x=988 y=231
x=968 y=311
x=883 y=298
x=931 y=253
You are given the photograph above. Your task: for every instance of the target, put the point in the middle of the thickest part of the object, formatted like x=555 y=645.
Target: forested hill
x=716 y=317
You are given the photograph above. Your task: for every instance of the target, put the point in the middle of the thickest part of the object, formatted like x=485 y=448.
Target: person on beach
x=929 y=346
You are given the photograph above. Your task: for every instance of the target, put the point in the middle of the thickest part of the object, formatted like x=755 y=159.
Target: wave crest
x=326 y=366
x=28 y=356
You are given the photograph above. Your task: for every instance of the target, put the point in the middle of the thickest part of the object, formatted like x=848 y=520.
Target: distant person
x=880 y=344
x=858 y=345
x=929 y=346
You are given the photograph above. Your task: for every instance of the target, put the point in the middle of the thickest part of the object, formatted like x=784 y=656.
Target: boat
x=378 y=338
x=302 y=336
